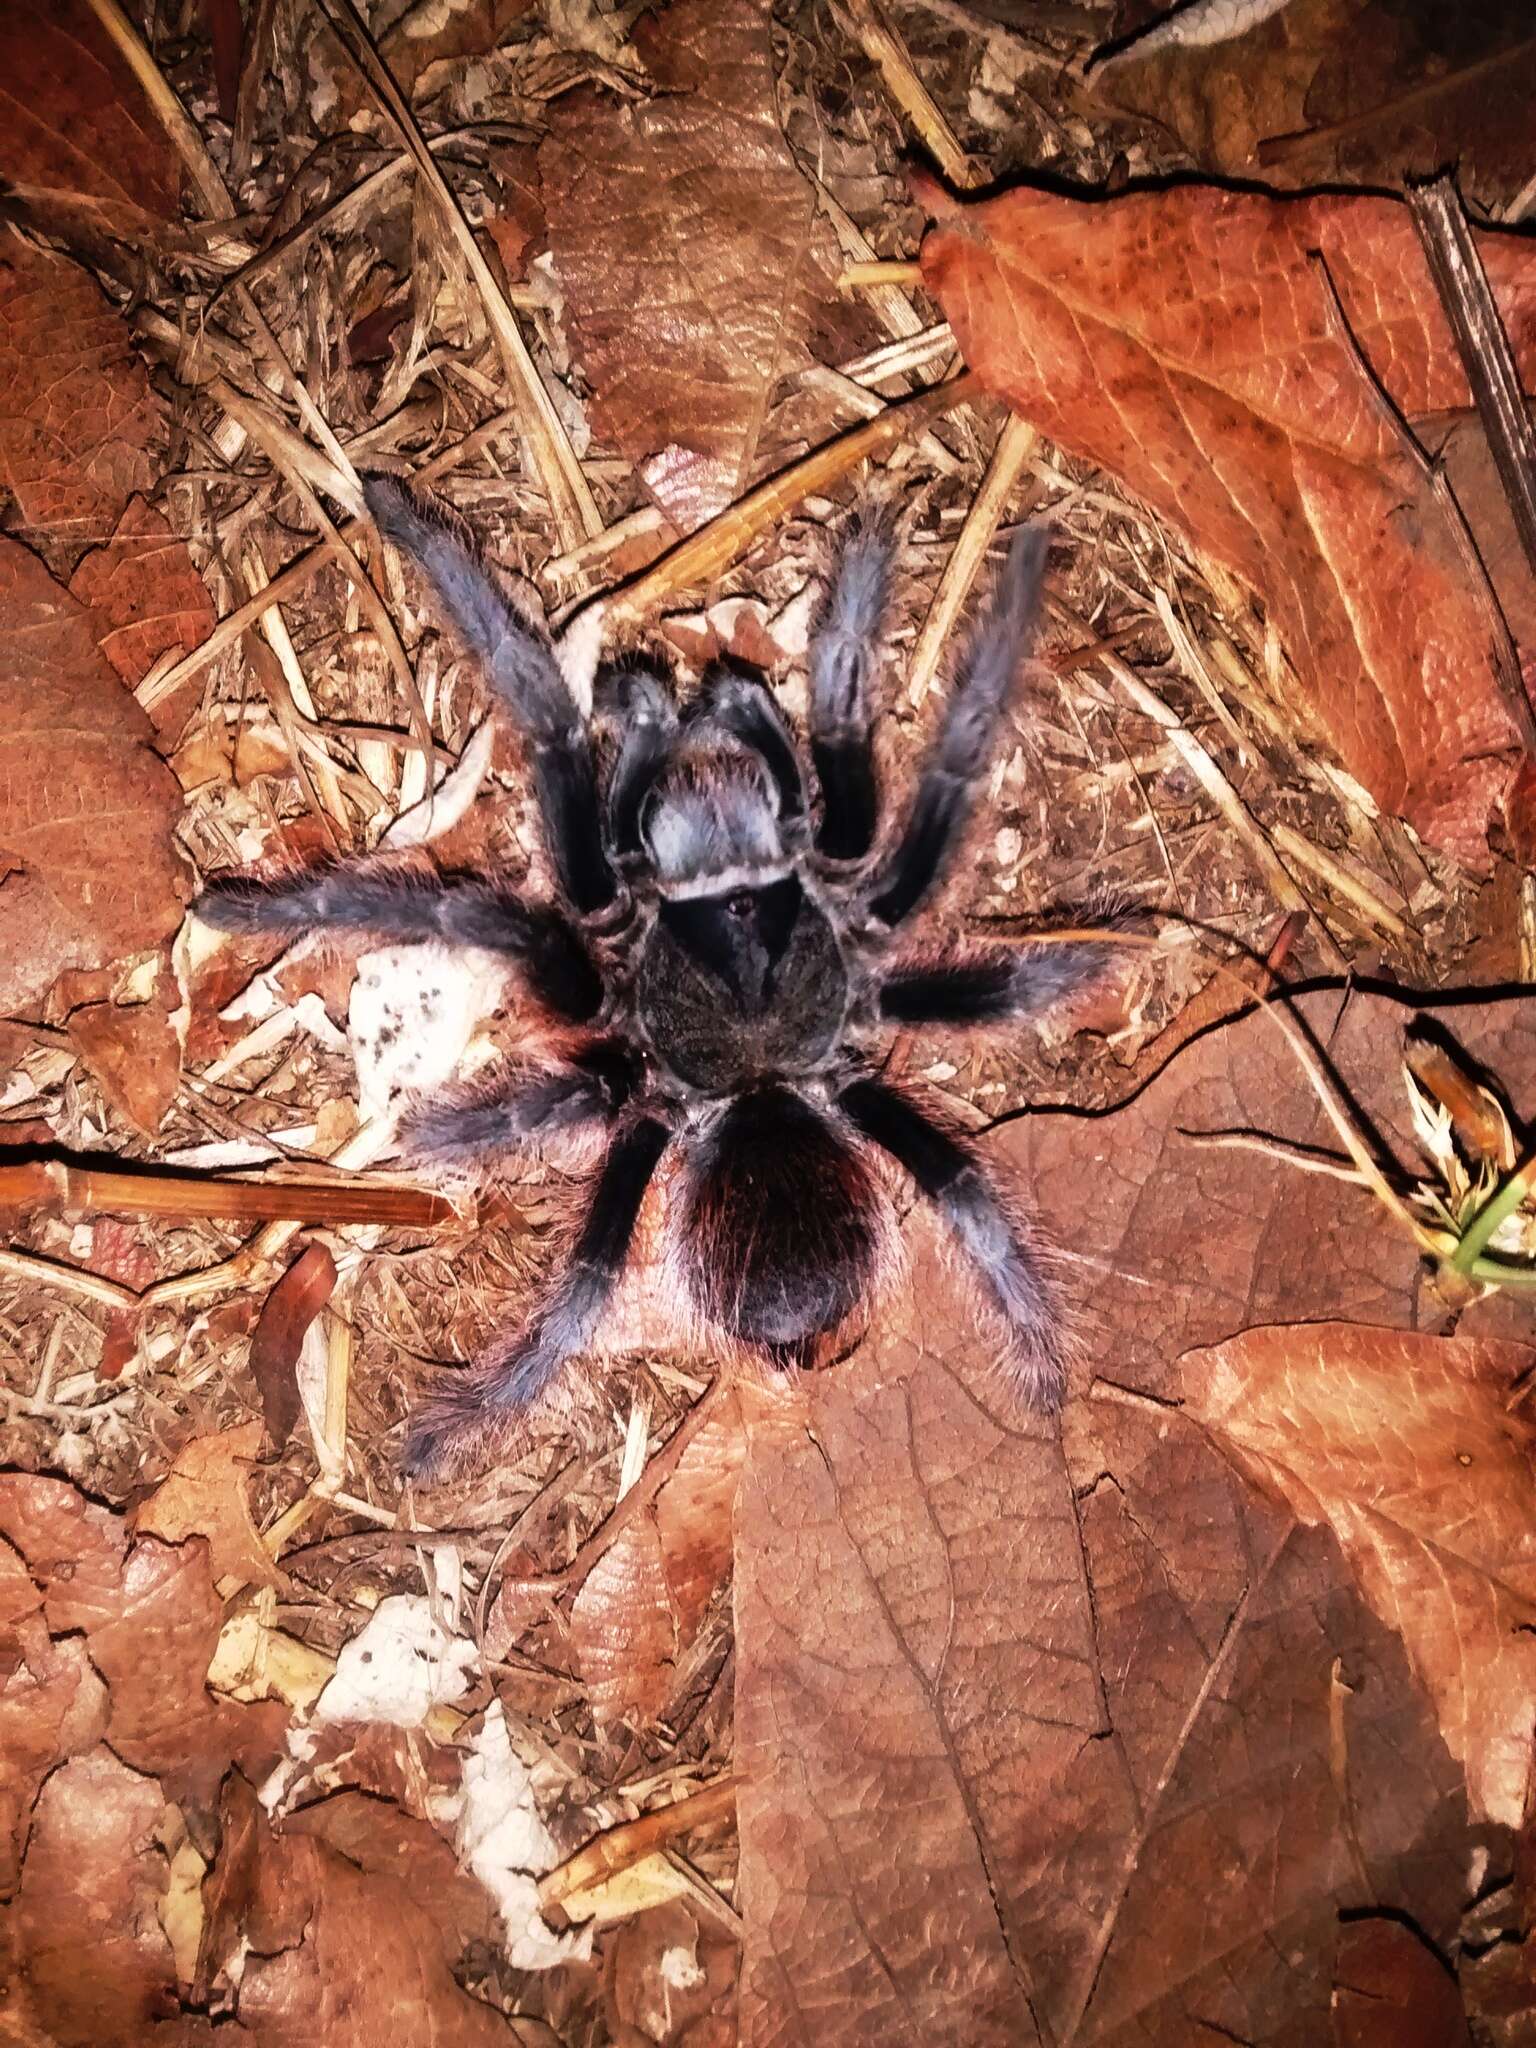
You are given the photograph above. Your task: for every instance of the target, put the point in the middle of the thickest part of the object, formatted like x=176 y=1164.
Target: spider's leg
x=410 y=908
x=479 y=1411
x=521 y=669
x=962 y=749
x=745 y=707
x=484 y=1127
x=638 y=701
x=843 y=651
x=781 y=1223
x=953 y=1180
x=992 y=988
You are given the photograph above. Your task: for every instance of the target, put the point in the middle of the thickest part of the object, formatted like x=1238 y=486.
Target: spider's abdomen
x=780 y=1224
x=743 y=986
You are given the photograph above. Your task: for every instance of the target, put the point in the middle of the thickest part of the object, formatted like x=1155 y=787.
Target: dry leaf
x=286 y=1315
x=78 y=142
x=88 y=871
x=644 y=1599
x=146 y=598
x=1226 y=400
x=1394 y=1991
x=681 y=233
x=204 y=1494
x=1404 y=1446
x=134 y=1052
x=77 y=417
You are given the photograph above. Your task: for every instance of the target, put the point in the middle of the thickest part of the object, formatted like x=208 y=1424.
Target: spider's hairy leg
x=782 y=1225
x=844 y=648
x=963 y=747
x=952 y=1179
x=744 y=706
x=521 y=670
x=478 y=1413
x=639 y=703
x=409 y=908
x=485 y=1126
x=994 y=987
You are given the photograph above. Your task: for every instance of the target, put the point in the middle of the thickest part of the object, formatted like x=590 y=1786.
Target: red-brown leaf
x=77 y=132
x=77 y=416
x=146 y=597
x=681 y=230
x=204 y=1494
x=286 y=1314
x=1225 y=398
x=86 y=810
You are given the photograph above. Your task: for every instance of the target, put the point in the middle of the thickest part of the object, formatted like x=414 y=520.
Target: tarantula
x=723 y=960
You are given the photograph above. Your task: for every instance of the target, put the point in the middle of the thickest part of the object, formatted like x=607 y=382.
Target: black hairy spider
x=724 y=957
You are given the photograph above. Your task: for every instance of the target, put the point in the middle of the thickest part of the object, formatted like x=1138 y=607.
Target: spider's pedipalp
x=993 y=988
x=486 y=1126
x=845 y=645
x=1000 y=1248
x=478 y=1412
x=963 y=747
x=406 y=907
x=744 y=707
x=783 y=1227
x=639 y=703
x=521 y=670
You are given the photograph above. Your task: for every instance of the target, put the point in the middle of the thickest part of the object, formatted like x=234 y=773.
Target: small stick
x=52 y=1187
x=876 y=276
x=617 y=1849
x=888 y=53
x=1483 y=343
x=705 y=555
x=1015 y=445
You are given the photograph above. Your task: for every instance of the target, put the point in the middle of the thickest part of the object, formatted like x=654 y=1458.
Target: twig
x=712 y=1806
x=888 y=53
x=53 y=1187
x=1483 y=343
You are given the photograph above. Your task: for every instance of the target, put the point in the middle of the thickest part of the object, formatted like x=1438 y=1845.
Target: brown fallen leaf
x=204 y=1494
x=146 y=597
x=134 y=1051
x=1394 y=1992
x=641 y=1604
x=86 y=1958
x=79 y=143
x=1138 y=1730
x=1339 y=92
x=286 y=1315
x=78 y=420
x=1229 y=403
x=88 y=870
x=671 y=1979
x=1405 y=1447
x=681 y=231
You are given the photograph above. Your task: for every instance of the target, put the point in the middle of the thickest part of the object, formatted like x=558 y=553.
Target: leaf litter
x=1210 y=1715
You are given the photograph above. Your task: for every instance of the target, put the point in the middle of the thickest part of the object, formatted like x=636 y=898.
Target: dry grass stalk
x=172 y=115
x=875 y=276
x=712 y=1806
x=571 y=504
x=1015 y=445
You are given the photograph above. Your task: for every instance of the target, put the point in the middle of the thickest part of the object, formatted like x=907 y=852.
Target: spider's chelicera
x=725 y=959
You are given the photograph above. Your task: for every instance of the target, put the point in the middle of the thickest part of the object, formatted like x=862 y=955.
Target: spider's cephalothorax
x=724 y=953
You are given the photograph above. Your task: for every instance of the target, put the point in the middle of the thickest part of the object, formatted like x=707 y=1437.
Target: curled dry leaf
x=1405 y=1447
x=1394 y=1991
x=286 y=1315
x=1227 y=401
x=78 y=419
x=204 y=1494
x=88 y=871
x=80 y=143
x=644 y=1599
x=681 y=232
x=134 y=1051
